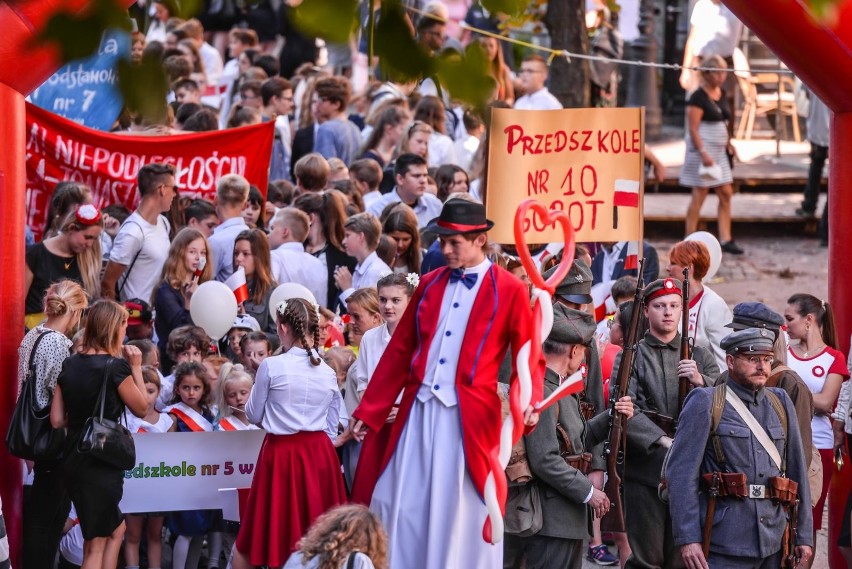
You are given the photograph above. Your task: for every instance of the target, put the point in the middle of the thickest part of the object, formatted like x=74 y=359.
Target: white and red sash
x=232 y=424
x=193 y=419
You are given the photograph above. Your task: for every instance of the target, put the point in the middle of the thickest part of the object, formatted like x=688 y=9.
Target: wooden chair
x=765 y=93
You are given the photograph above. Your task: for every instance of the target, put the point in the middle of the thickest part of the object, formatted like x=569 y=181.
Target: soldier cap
x=576 y=287
x=662 y=287
x=756 y=341
x=571 y=326
x=756 y=315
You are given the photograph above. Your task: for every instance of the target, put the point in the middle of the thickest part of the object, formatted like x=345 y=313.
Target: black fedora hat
x=459 y=217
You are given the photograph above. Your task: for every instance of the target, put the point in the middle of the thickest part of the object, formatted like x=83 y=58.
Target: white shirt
x=370 y=197
x=466 y=148
x=163 y=424
x=610 y=259
x=290 y=395
x=152 y=243
x=222 y=246
x=213 y=65
x=715 y=29
x=71 y=546
x=167 y=391
x=541 y=100
x=707 y=320
x=366 y=275
x=373 y=345
x=439 y=381
x=814 y=371
x=441 y=150
x=291 y=264
x=426 y=208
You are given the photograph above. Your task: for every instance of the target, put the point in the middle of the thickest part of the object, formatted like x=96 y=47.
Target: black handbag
x=104 y=439
x=30 y=435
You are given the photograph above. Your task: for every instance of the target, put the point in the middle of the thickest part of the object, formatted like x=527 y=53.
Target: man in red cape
x=425 y=474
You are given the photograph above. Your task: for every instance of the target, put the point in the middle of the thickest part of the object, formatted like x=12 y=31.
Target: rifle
x=685 y=342
x=614 y=445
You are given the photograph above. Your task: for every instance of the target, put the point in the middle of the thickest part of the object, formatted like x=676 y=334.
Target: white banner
x=185 y=471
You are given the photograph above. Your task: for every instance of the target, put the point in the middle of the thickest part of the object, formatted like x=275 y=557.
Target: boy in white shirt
x=232 y=193
x=142 y=244
x=362 y=233
x=291 y=263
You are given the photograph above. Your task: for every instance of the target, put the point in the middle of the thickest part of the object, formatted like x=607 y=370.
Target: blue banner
x=86 y=91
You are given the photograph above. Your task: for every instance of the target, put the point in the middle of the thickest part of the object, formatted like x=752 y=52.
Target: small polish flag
x=237 y=283
x=602 y=299
x=626 y=193
x=631 y=260
x=570 y=385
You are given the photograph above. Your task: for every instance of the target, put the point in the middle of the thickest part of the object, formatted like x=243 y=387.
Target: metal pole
x=642 y=91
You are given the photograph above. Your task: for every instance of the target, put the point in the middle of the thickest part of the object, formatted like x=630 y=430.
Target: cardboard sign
x=58 y=150
x=86 y=91
x=587 y=162
x=185 y=471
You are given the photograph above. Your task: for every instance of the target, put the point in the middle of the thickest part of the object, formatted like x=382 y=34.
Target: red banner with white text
x=59 y=150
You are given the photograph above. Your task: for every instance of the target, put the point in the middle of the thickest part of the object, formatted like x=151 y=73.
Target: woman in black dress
x=95 y=487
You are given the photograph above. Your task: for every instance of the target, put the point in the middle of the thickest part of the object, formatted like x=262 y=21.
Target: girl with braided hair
x=295 y=399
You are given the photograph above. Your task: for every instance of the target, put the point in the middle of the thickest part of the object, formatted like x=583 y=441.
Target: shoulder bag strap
x=757 y=430
x=102 y=397
x=136 y=256
x=31 y=365
x=350 y=563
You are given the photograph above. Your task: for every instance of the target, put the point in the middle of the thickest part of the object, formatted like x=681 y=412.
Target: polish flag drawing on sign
x=237 y=283
x=626 y=193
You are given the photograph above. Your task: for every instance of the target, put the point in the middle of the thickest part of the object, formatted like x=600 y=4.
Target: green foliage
x=79 y=35
x=334 y=20
x=466 y=75
x=508 y=7
x=144 y=87
x=400 y=56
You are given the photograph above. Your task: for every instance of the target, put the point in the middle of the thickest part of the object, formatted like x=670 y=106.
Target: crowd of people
x=384 y=388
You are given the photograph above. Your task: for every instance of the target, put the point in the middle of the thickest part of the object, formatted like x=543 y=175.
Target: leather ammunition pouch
x=732 y=484
x=582 y=462
x=783 y=490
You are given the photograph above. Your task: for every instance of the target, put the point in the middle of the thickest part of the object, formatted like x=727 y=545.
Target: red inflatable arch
x=821 y=56
x=24 y=68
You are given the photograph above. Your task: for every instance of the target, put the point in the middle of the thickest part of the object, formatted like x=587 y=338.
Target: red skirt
x=297 y=479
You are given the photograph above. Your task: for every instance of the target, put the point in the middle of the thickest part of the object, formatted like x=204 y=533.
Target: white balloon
x=286 y=292
x=713 y=247
x=213 y=308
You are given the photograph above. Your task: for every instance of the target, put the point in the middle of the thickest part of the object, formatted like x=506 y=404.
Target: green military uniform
x=564 y=490
x=576 y=288
x=654 y=388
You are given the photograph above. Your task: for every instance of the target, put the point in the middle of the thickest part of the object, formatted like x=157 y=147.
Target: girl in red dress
x=295 y=399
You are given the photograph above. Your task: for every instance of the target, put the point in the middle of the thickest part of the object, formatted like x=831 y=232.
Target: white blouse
x=291 y=395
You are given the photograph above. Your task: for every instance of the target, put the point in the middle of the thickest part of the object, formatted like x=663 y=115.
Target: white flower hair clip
x=413 y=279
x=281 y=308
